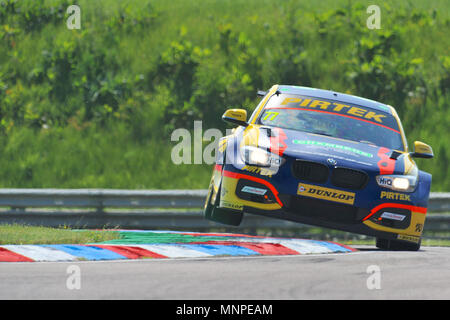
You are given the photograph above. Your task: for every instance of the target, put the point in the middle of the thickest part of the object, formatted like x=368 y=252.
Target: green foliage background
x=95 y=107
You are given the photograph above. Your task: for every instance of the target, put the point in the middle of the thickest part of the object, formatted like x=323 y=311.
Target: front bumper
x=262 y=197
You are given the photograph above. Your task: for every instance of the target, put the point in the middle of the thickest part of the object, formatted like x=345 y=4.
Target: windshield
x=334 y=119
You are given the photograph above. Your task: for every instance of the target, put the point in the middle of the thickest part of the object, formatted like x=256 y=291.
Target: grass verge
x=23 y=234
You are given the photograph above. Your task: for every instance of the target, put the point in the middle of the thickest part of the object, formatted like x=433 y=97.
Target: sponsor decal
x=223 y=191
x=230 y=205
x=254 y=190
x=419 y=227
x=395 y=196
x=271 y=115
x=385 y=182
x=259 y=170
x=393 y=216
x=333 y=146
x=335 y=107
x=408 y=238
x=317 y=192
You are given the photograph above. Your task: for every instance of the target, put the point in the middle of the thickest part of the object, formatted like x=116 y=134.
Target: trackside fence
x=165 y=210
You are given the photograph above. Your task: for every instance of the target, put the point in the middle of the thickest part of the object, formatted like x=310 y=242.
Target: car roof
x=333 y=95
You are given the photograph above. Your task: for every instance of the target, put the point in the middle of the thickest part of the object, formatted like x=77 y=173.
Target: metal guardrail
x=101 y=198
x=151 y=209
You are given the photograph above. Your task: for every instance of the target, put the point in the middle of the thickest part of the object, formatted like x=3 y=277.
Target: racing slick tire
x=227 y=216
x=223 y=215
x=208 y=206
x=397 y=245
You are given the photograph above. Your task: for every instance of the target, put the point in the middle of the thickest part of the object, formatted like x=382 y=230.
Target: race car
x=322 y=158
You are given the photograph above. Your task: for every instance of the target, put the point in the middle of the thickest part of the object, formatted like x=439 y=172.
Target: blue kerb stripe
x=332 y=246
x=215 y=249
x=88 y=253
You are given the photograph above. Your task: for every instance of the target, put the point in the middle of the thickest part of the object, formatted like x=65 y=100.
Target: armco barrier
x=152 y=209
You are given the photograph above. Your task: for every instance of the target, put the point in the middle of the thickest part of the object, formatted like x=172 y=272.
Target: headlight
x=260 y=157
x=400 y=183
x=397 y=182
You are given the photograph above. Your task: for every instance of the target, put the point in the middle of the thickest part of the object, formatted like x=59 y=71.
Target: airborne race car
x=322 y=158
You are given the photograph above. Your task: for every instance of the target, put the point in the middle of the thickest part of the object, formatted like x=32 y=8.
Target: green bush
x=95 y=107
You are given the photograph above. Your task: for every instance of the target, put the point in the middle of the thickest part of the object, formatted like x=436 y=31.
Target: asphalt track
x=402 y=275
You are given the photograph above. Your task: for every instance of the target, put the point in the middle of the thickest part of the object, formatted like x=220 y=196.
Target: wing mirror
x=422 y=150
x=236 y=116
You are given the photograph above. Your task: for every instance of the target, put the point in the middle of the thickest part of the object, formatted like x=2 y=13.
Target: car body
x=322 y=158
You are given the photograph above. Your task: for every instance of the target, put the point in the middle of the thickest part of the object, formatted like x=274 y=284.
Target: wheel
x=397 y=245
x=222 y=215
x=227 y=216
x=207 y=210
